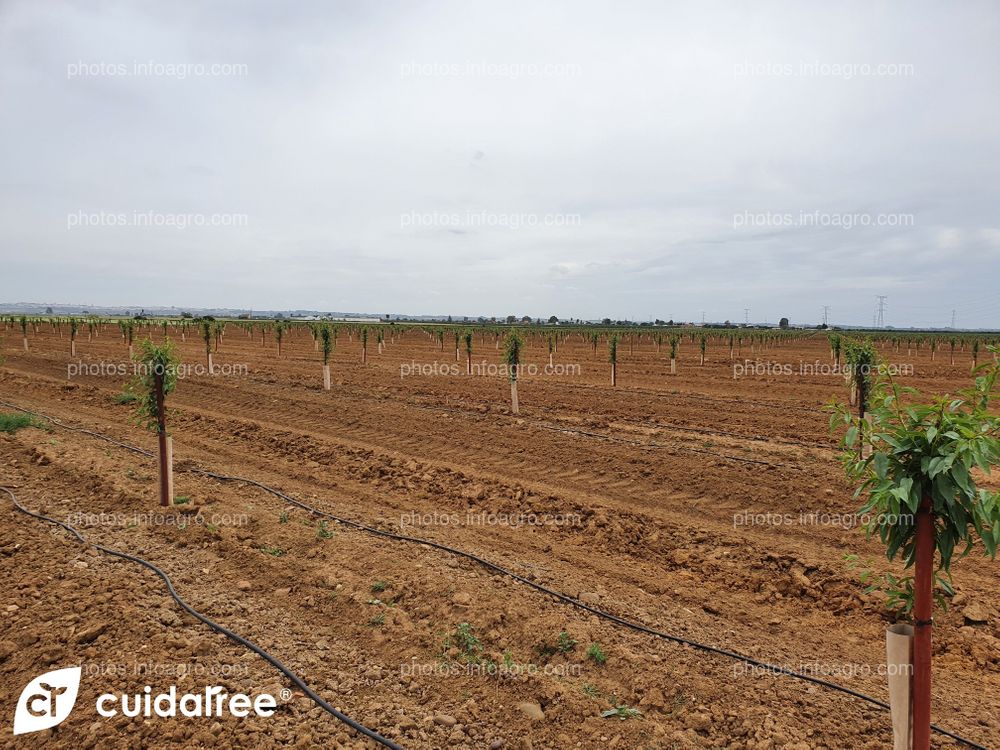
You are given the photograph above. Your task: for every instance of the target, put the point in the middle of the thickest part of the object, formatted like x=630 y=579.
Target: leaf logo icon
x=47 y=700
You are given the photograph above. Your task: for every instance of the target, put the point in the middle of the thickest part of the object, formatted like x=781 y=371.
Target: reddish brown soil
x=651 y=475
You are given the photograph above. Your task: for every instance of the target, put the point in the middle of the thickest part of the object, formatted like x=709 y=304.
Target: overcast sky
x=579 y=159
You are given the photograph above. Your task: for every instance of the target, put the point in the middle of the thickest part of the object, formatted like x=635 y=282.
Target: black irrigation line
x=236 y=637
x=564 y=598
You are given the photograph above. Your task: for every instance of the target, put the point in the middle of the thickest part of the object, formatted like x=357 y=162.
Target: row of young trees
x=277 y=328
x=633 y=337
x=213 y=331
x=974 y=344
x=735 y=341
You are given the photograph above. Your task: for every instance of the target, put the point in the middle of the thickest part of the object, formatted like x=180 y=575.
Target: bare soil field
x=709 y=507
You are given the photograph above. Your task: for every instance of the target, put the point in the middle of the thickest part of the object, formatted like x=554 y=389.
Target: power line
x=880 y=321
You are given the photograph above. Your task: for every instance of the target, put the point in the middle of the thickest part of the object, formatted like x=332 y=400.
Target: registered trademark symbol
x=286 y=694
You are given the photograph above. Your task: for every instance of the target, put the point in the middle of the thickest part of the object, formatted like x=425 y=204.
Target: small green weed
x=621 y=712
x=12 y=422
x=596 y=654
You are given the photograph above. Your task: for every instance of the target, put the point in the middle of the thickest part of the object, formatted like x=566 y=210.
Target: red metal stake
x=922 y=621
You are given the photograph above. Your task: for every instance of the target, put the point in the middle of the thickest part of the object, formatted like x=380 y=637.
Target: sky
x=624 y=159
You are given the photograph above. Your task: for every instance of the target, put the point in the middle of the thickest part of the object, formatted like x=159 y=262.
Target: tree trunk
x=161 y=434
x=170 y=468
x=513 y=397
x=866 y=447
x=922 y=626
x=326 y=377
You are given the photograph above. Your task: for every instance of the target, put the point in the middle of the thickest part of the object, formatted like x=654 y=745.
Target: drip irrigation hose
x=564 y=598
x=213 y=625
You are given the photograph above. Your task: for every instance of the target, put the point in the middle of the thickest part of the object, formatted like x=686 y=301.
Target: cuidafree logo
x=48 y=700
